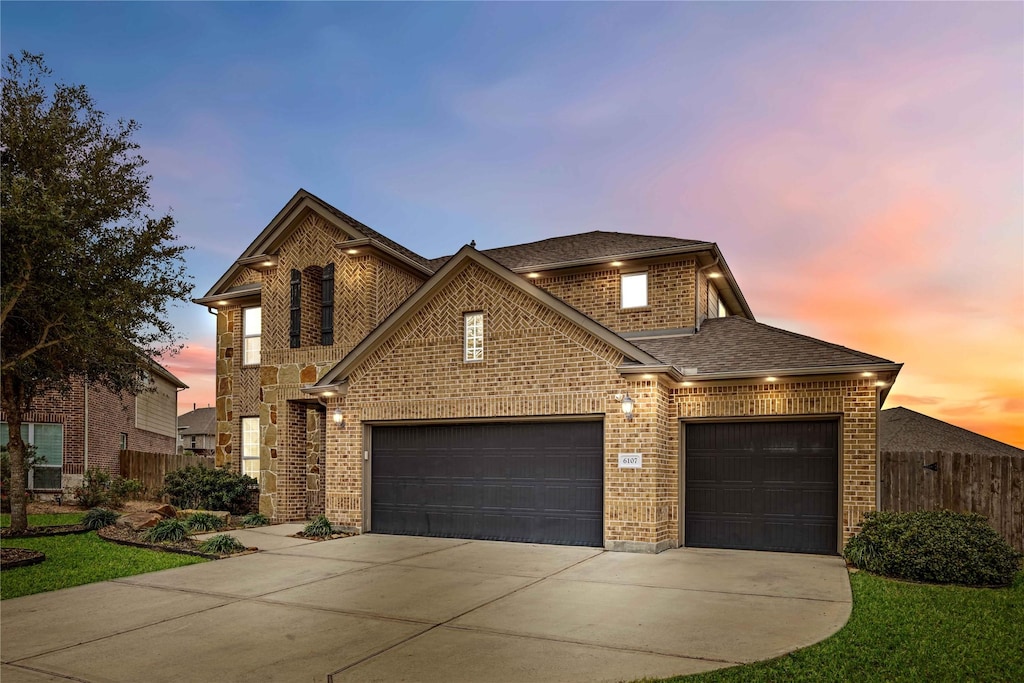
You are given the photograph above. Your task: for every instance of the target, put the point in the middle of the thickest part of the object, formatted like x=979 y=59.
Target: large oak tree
x=88 y=271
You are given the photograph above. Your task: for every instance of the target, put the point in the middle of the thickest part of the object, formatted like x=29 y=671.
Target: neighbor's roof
x=902 y=429
x=584 y=246
x=198 y=421
x=735 y=345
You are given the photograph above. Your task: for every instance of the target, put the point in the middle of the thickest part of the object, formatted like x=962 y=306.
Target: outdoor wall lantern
x=628 y=404
x=338 y=418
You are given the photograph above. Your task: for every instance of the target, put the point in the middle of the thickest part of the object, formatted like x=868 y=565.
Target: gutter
x=691 y=374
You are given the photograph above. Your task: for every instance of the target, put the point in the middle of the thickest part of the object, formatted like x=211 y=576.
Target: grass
x=56 y=519
x=81 y=558
x=907 y=632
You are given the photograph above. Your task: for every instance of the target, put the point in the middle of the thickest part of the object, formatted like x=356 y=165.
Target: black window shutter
x=295 y=335
x=327 y=306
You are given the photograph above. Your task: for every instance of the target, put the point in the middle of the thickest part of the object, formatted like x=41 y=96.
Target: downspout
x=85 y=440
x=696 y=296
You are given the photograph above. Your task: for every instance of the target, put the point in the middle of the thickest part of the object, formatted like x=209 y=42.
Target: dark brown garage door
x=763 y=486
x=532 y=482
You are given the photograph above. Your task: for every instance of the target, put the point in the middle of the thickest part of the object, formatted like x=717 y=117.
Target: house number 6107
x=631 y=460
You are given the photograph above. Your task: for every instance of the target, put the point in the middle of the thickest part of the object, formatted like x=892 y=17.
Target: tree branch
x=39 y=346
x=18 y=287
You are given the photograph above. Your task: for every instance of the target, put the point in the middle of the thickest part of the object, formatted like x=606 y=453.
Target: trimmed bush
x=209 y=489
x=221 y=543
x=320 y=527
x=167 y=530
x=255 y=519
x=97 y=518
x=935 y=547
x=122 y=489
x=203 y=521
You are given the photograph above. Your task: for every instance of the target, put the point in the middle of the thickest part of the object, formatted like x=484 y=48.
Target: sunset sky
x=861 y=166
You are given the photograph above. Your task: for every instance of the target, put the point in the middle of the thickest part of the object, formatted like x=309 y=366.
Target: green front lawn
x=81 y=558
x=57 y=519
x=907 y=632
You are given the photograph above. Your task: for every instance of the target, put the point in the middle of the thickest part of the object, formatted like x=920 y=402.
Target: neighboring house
x=197 y=431
x=89 y=426
x=902 y=429
x=601 y=389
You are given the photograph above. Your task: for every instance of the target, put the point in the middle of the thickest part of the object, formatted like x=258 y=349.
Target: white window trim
x=246 y=337
x=623 y=278
x=473 y=336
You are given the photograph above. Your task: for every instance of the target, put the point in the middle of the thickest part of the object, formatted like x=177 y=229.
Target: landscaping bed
x=12 y=558
x=188 y=546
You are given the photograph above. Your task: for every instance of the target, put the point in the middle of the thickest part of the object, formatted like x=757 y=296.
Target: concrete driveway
x=394 y=608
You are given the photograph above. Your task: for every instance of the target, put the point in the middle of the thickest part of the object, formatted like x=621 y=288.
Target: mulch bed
x=126 y=536
x=36 y=531
x=11 y=558
x=340 y=534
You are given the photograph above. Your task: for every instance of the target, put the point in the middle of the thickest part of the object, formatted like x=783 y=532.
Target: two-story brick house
x=598 y=389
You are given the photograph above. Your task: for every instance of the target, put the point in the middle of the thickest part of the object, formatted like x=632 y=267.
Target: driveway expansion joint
x=700 y=590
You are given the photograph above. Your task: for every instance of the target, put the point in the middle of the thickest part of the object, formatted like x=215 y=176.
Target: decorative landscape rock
x=139 y=520
x=166 y=511
x=222 y=515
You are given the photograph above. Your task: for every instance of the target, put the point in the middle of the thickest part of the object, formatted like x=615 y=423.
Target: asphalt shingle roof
x=587 y=245
x=735 y=344
x=902 y=429
x=198 y=421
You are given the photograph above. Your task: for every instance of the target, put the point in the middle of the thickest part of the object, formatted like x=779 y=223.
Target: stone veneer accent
x=367 y=290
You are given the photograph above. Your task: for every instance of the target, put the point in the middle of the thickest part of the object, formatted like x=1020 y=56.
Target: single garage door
x=532 y=482
x=763 y=486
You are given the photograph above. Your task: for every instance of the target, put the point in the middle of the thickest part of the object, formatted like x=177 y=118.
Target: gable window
x=251 y=447
x=48 y=440
x=252 y=329
x=634 y=290
x=295 y=330
x=474 y=336
x=327 y=306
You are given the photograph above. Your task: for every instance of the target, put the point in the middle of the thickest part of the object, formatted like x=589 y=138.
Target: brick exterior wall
x=536 y=365
x=110 y=415
x=670 y=292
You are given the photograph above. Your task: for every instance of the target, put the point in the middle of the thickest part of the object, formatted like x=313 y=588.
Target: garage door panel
x=537 y=482
x=790 y=498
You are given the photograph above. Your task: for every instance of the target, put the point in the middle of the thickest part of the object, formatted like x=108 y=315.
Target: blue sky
x=860 y=165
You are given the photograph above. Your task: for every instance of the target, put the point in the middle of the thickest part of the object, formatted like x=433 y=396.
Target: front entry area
x=770 y=485
x=534 y=482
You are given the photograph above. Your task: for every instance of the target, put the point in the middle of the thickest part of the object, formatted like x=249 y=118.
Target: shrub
x=210 y=489
x=94 y=490
x=255 y=519
x=125 y=489
x=167 y=530
x=320 y=527
x=933 y=546
x=203 y=521
x=221 y=543
x=97 y=518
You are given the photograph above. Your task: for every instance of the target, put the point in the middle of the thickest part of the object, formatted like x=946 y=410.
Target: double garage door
x=763 y=486
x=531 y=482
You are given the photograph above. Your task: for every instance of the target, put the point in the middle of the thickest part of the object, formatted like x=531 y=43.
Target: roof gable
x=286 y=221
x=455 y=265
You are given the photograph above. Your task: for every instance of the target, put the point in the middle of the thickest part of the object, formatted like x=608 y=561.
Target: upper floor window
x=474 y=336
x=722 y=311
x=634 y=290
x=252 y=330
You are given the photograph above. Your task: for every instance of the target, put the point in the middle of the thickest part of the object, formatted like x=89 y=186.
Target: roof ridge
x=805 y=337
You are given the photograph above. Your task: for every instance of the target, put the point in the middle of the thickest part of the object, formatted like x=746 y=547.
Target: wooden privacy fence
x=990 y=485
x=150 y=468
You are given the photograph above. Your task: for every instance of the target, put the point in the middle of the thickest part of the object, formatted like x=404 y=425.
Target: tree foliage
x=88 y=271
